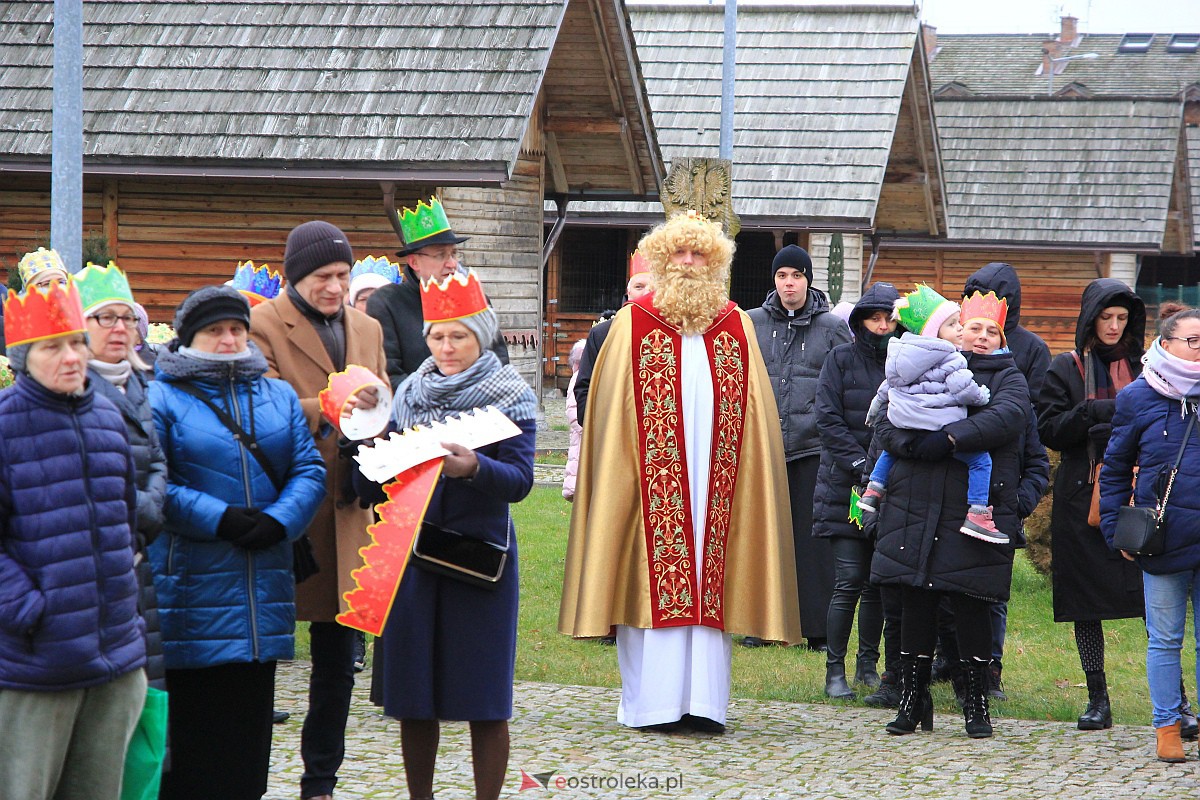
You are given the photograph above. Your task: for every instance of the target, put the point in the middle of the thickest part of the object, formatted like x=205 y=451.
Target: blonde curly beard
x=689 y=297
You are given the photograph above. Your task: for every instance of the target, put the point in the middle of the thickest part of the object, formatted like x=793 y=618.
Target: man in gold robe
x=681 y=528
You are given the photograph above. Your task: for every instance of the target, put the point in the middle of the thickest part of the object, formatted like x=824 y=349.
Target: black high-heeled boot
x=1098 y=715
x=1188 y=727
x=916 y=704
x=975 y=698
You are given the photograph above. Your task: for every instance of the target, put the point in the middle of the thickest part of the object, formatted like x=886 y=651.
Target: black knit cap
x=205 y=306
x=796 y=257
x=311 y=246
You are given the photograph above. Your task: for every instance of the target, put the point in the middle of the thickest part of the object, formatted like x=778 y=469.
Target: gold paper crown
x=456 y=297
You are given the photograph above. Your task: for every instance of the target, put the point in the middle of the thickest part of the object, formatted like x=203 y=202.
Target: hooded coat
x=919 y=543
x=1030 y=353
x=849 y=379
x=795 y=348
x=1090 y=581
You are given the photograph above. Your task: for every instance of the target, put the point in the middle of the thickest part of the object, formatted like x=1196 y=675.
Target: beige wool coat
x=295 y=354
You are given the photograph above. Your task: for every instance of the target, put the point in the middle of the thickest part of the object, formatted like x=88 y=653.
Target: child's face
x=951 y=331
x=981 y=336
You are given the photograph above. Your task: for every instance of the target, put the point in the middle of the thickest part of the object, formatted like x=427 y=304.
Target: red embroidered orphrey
x=678 y=596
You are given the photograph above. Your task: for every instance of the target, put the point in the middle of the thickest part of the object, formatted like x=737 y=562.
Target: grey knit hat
x=311 y=246
x=205 y=306
x=484 y=325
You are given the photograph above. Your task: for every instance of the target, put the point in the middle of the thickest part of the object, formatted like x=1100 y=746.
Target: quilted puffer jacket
x=222 y=604
x=68 y=597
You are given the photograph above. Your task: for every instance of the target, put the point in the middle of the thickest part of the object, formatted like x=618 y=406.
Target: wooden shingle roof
x=1011 y=64
x=1096 y=172
x=818 y=95
x=423 y=89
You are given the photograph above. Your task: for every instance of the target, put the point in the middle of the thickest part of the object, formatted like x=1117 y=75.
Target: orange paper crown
x=637 y=264
x=984 y=306
x=454 y=298
x=37 y=314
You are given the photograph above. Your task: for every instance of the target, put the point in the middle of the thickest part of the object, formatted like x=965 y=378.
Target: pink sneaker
x=869 y=502
x=979 y=525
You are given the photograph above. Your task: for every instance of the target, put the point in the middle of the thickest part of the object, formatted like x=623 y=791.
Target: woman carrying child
x=920 y=545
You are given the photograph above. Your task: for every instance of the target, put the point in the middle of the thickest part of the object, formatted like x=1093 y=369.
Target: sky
x=1034 y=16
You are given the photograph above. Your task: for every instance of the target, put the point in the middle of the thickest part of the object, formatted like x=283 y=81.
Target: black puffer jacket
x=919 y=541
x=397 y=307
x=795 y=348
x=150 y=473
x=849 y=380
x=1030 y=353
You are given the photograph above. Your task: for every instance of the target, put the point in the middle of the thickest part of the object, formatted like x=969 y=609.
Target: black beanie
x=205 y=306
x=796 y=257
x=311 y=246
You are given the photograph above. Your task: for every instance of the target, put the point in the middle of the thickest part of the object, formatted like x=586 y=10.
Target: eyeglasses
x=109 y=319
x=441 y=257
x=1193 y=342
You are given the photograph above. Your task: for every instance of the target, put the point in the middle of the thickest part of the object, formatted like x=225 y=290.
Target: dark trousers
x=852 y=588
x=892 y=608
x=814 y=559
x=219 y=721
x=323 y=738
x=973 y=628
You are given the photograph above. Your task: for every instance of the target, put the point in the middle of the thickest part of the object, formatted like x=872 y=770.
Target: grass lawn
x=1042 y=676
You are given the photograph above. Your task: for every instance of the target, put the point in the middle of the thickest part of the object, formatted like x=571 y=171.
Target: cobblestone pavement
x=771 y=750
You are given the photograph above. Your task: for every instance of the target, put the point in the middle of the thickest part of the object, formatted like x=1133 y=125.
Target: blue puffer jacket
x=1147 y=430
x=219 y=603
x=68 y=597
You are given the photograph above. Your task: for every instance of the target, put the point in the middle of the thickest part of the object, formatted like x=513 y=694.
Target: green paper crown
x=99 y=286
x=428 y=220
x=855 y=514
x=914 y=309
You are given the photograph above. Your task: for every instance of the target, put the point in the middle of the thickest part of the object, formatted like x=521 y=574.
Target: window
x=1135 y=43
x=1184 y=43
x=751 y=279
x=594 y=271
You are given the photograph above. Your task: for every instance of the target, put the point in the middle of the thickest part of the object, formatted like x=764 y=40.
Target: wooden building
x=1090 y=171
x=834 y=142
x=213 y=129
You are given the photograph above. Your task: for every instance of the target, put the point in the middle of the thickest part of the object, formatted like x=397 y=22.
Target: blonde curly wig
x=688 y=296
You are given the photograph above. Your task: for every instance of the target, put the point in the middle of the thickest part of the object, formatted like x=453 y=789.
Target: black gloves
x=236 y=522
x=1101 y=410
x=250 y=528
x=368 y=492
x=933 y=446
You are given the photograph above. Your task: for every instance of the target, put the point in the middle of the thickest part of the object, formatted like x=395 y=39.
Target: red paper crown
x=984 y=306
x=342 y=385
x=454 y=298
x=637 y=264
x=42 y=314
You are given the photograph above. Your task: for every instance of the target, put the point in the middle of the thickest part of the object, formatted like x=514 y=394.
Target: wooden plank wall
x=173 y=236
x=505 y=226
x=1051 y=282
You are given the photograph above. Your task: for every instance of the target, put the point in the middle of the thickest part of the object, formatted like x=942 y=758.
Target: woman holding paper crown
x=450 y=647
x=71 y=640
x=223 y=565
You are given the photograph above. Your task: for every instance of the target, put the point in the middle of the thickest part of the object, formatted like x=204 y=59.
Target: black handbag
x=464 y=558
x=304 y=561
x=1140 y=531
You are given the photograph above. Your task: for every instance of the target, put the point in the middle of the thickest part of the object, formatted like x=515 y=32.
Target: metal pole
x=66 y=159
x=729 y=53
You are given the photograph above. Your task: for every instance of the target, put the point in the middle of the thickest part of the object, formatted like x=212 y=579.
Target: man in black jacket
x=397 y=306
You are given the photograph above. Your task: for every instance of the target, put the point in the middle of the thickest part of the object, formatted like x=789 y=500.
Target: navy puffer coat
x=68 y=597
x=222 y=604
x=919 y=541
x=1147 y=431
x=849 y=379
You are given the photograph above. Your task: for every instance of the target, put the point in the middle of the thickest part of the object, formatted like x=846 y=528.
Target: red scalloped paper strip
x=384 y=560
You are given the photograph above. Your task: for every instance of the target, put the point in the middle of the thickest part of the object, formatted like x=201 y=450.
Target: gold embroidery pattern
x=666 y=516
x=729 y=374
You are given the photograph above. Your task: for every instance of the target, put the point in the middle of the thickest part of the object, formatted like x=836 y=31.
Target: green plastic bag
x=147 y=748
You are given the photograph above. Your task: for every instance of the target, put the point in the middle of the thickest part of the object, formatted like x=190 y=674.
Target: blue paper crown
x=379 y=266
x=261 y=281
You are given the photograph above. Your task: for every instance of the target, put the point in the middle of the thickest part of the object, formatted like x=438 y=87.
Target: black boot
x=1098 y=715
x=1188 y=728
x=865 y=672
x=995 y=687
x=916 y=704
x=958 y=682
x=835 y=681
x=976 y=676
x=888 y=693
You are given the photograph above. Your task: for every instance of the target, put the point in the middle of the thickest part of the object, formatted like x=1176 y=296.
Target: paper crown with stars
x=426 y=225
x=986 y=307
x=257 y=284
x=99 y=286
x=456 y=297
x=376 y=266
x=923 y=311
x=42 y=314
